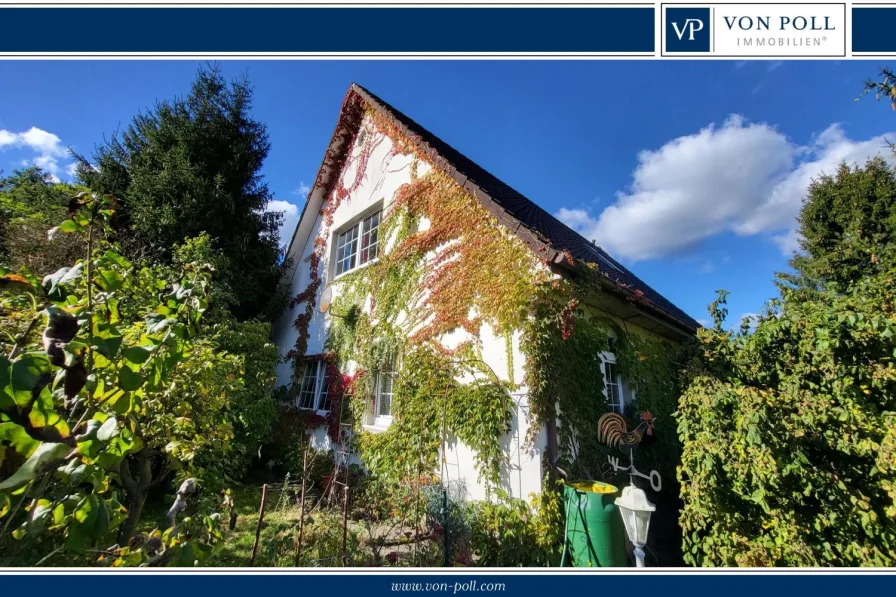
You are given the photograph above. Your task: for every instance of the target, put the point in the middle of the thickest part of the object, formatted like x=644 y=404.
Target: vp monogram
x=691 y=26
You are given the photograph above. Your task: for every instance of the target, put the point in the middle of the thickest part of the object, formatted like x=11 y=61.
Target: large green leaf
x=43 y=414
x=107 y=430
x=90 y=521
x=16 y=436
x=26 y=372
x=156 y=322
x=6 y=397
x=109 y=280
x=79 y=474
x=137 y=354
x=129 y=379
x=46 y=454
x=70 y=226
x=115 y=450
x=55 y=283
x=107 y=341
x=89 y=446
x=116 y=259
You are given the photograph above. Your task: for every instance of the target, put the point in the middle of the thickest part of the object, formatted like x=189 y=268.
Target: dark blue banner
x=345 y=30
x=292 y=582
x=872 y=29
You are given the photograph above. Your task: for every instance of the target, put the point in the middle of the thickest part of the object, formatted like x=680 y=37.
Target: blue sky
x=691 y=173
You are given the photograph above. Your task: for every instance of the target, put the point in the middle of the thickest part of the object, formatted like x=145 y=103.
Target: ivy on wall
x=458 y=271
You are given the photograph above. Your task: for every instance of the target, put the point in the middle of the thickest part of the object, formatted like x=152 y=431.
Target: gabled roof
x=551 y=238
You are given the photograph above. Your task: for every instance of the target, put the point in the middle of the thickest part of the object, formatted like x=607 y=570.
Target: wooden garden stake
x=302 y=507
x=345 y=528
x=264 y=497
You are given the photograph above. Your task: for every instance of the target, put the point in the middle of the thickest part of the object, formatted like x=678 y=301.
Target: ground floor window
x=616 y=390
x=614 y=387
x=384 y=392
x=314 y=385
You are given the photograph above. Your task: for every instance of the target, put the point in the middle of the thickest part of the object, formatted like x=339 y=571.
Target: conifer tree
x=190 y=166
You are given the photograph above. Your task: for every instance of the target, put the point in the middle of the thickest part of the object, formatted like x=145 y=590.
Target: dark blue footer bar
x=313 y=30
x=467 y=583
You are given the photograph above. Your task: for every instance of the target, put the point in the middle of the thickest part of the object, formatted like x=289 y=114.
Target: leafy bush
x=252 y=409
x=119 y=389
x=789 y=434
x=30 y=204
x=510 y=532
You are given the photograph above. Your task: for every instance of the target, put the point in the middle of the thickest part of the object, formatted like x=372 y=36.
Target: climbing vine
x=564 y=371
x=654 y=367
x=448 y=266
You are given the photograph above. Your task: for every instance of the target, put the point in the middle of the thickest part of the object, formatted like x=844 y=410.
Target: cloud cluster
x=47 y=147
x=290 y=219
x=302 y=191
x=740 y=177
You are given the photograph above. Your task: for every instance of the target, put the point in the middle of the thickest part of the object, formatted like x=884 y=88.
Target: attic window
x=361 y=137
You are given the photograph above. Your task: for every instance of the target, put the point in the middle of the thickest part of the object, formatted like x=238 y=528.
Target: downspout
x=553 y=452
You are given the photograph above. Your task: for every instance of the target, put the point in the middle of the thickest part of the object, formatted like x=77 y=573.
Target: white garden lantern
x=636 y=511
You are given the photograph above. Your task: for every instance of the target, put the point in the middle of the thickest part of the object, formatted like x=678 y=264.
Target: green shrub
x=510 y=532
x=789 y=435
x=120 y=390
x=252 y=409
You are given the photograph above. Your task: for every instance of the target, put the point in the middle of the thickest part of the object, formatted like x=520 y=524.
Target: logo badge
x=687 y=29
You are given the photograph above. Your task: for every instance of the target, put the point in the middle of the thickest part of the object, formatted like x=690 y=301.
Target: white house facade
x=347 y=239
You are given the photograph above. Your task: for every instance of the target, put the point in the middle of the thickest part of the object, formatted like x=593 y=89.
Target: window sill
x=376 y=428
x=356 y=269
x=317 y=411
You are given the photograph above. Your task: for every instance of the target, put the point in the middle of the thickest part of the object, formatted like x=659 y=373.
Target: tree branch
x=162 y=476
x=23 y=337
x=124 y=473
x=186 y=488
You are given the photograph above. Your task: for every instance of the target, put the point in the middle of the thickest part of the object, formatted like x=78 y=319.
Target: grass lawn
x=236 y=549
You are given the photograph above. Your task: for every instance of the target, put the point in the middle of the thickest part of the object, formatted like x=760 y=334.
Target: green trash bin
x=595 y=535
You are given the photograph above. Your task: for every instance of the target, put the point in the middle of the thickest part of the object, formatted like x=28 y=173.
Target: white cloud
x=788 y=242
x=7 y=138
x=290 y=218
x=741 y=177
x=46 y=145
x=302 y=191
x=577 y=219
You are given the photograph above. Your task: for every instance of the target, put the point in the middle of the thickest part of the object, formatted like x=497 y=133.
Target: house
x=471 y=332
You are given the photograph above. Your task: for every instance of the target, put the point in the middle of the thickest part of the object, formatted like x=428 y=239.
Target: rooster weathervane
x=612 y=430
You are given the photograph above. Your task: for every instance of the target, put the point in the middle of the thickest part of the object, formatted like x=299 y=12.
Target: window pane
x=370 y=238
x=309 y=384
x=612 y=381
x=325 y=386
x=346 y=250
x=384 y=400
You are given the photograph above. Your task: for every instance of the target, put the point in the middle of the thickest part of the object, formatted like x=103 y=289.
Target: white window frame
x=609 y=358
x=354 y=234
x=378 y=419
x=321 y=386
